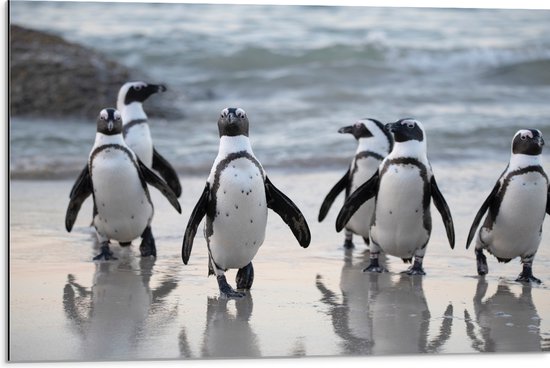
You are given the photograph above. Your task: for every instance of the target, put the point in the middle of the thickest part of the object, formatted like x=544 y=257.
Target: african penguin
x=374 y=143
x=235 y=201
x=516 y=208
x=136 y=129
x=403 y=187
x=117 y=181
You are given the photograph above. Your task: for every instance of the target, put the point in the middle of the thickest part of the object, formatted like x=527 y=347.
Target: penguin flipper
x=288 y=211
x=342 y=184
x=355 y=200
x=167 y=172
x=484 y=207
x=196 y=217
x=79 y=179
x=444 y=210
x=81 y=190
x=152 y=179
x=548 y=202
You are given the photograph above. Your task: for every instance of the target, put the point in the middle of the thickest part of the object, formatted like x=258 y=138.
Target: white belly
x=138 y=138
x=124 y=211
x=360 y=222
x=241 y=215
x=399 y=225
x=517 y=229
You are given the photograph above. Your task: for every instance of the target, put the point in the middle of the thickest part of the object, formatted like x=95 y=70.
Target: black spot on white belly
x=132 y=217
x=251 y=221
x=236 y=207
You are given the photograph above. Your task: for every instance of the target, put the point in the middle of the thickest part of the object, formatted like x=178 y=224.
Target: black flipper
x=484 y=207
x=356 y=200
x=288 y=211
x=80 y=191
x=152 y=179
x=341 y=185
x=548 y=202
x=444 y=210
x=196 y=217
x=167 y=172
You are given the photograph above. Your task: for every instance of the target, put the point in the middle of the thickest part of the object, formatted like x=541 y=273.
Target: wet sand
x=304 y=302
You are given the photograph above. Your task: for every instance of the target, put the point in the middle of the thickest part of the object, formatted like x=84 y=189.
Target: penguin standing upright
x=117 y=180
x=403 y=187
x=517 y=205
x=235 y=201
x=136 y=129
x=374 y=143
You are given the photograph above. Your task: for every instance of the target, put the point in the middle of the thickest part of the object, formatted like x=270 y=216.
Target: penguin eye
x=410 y=125
x=224 y=113
x=240 y=113
x=523 y=137
x=137 y=88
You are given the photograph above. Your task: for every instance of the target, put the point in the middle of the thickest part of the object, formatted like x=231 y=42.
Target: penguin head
x=109 y=122
x=358 y=130
x=232 y=122
x=137 y=92
x=528 y=142
x=405 y=130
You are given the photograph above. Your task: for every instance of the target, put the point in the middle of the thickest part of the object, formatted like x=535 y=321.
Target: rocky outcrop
x=51 y=77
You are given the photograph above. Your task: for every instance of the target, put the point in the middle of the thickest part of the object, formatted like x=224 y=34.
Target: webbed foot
x=374 y=266
x=106 y=253
x=348 y=244
x=245 y=277
x=415 y=270
x=527 y=276
x=481 y=260
x=226 y=290
x=147 y=247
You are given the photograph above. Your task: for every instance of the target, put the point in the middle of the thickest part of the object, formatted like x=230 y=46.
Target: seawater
x=473 y=77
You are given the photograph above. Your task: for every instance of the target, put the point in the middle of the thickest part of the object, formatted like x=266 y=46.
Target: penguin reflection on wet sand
x=403 y=187
x=117 y=180
x=516 y=208
x=504 y=322
x=374 y=143
x=235 y=202
x=112 y=315
x=136 y=129
x=380 y=316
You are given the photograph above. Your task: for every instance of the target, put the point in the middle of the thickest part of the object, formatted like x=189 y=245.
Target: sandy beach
x=304 y=302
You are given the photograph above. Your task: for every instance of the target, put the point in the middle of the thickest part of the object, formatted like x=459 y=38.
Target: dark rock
x=52 y=77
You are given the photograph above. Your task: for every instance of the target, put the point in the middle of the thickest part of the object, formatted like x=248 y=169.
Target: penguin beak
x=390 y=127
x=160 y=88
x=110 y=125
x=347 y=129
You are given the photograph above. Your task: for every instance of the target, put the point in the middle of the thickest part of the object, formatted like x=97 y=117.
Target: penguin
x=117 y=180
x=516 y=208
x=374 y=143
x=235 y=201
x=403 y=187
x=136 y=129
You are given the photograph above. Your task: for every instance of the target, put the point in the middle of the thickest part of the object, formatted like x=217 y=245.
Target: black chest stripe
x=222 y=165
x=426 y=190
x=495 y=207
x=126 y=127
x=363 y=154
x=116 y=146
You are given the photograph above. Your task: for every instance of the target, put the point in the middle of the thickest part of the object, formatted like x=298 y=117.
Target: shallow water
x=304 y=302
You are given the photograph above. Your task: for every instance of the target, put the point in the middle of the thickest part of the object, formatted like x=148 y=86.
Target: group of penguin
x=388 y=188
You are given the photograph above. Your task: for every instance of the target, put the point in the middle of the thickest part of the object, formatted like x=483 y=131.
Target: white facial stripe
x=240 y=113
x=103 y=114
x=117 y=115
x=225 y=112
x=525 y=133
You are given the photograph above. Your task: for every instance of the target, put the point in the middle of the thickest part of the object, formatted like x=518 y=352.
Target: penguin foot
x=348 y=244
x=245 y=277
x=481 y=260
x=226 y=290
x=147 y=247
x=374 y=266
x=527 y=276
x=415 y=270
x=106 y=253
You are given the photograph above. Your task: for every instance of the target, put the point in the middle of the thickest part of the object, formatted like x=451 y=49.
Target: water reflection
x=111 y=317
x=228 y=334
x=377 y=315
x=504 y=322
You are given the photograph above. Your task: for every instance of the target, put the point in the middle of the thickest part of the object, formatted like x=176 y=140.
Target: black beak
x=158 y=88
x=347 y=129
x=110 y=125
x=540 y=141
x=390 y=127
